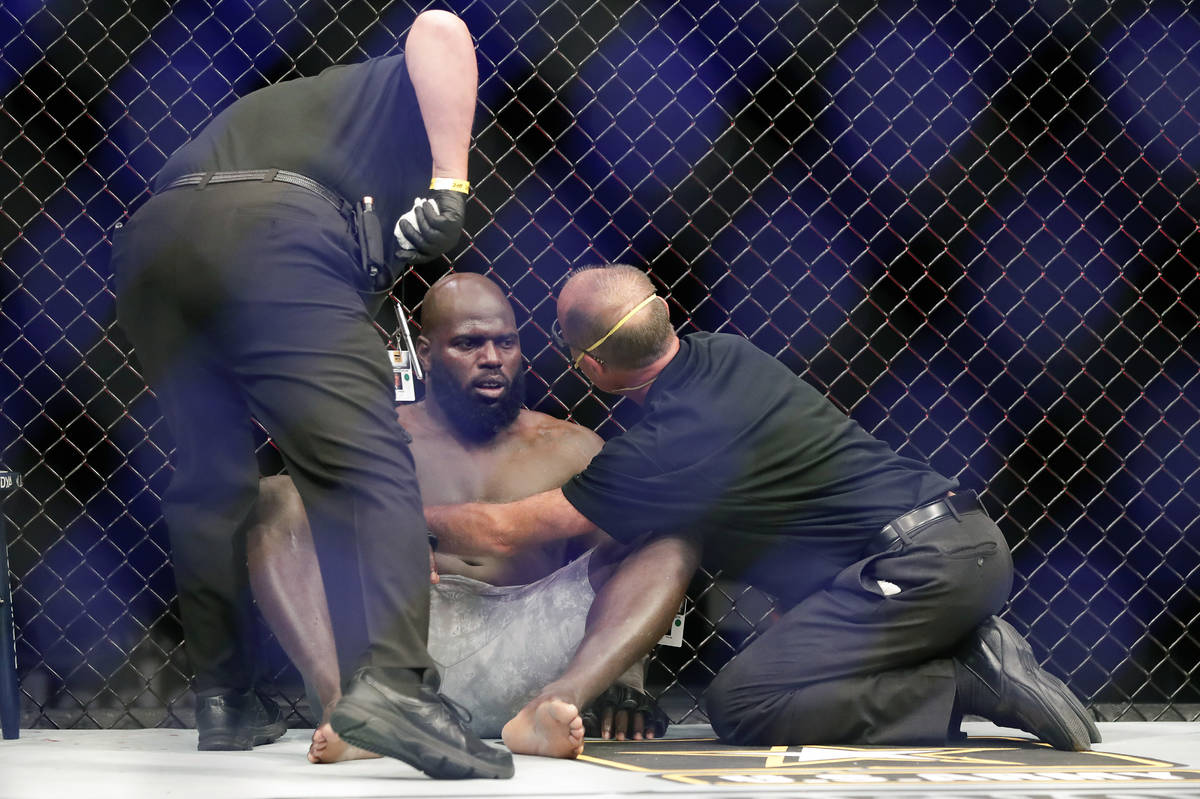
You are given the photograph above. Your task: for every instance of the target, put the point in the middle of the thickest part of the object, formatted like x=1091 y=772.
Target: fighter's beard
x=475 y=419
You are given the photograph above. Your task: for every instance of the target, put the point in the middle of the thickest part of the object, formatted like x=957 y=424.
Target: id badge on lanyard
x=403 y=358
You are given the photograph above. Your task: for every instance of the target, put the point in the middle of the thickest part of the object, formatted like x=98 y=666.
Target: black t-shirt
x=355 y=128
x=785 y=487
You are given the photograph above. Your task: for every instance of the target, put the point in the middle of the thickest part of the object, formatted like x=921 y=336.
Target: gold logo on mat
x=996 y=761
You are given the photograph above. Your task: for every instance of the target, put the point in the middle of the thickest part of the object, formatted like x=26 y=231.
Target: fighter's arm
x=578 y=445
x=502 y=528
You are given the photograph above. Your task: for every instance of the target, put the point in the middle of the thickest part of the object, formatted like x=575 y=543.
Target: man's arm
x=500 y=529
x=440 y=57
x=441 y=65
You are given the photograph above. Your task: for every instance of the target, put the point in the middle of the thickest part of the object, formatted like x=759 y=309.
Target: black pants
x=849 y=664
x=243 y=299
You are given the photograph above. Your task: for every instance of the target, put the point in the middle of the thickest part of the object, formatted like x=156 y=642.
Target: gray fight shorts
x=498 y=646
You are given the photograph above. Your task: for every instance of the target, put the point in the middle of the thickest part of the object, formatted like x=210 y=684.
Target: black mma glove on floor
x=631 y=700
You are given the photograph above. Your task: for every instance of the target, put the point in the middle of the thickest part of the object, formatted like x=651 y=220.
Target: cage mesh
x=971 y=225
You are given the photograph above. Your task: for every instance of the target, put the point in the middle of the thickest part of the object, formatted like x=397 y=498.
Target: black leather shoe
x=1000 y=679
x=234 y=722
x=419 y=728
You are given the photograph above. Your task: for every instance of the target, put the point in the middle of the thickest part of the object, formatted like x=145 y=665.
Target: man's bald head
x=594 y=298
x=460 y=296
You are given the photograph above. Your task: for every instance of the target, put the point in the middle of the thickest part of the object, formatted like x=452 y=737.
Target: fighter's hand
x=434 y=578
x=435 y=226
x=624 y=713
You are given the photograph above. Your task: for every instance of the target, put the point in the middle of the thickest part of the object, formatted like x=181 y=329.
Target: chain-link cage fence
x=971 y=224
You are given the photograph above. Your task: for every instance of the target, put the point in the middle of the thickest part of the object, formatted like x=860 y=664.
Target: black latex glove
x=437 y=232
x=623 y=708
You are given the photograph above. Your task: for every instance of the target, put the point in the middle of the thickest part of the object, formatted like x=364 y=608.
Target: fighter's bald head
x=595 y=298
x=471 y=352
x=461 y=296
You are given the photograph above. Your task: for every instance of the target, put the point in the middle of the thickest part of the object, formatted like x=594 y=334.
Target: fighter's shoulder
x=544 y=429
x=415 y=419
x=407 y=413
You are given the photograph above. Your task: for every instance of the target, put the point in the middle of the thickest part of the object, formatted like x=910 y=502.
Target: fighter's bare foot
x=550 y=728
x=328 y=747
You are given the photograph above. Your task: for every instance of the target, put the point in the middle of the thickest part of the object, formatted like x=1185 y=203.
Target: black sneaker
x=234 y=722
x=999 y=679
x=419 y=728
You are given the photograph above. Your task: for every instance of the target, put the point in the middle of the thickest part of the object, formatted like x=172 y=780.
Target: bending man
x=248 y=284
x=891 y=579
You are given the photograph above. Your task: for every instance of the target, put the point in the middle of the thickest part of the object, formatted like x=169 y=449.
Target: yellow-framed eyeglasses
x=561 y=342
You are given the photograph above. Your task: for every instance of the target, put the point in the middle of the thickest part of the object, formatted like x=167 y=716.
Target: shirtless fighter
x=501 y=628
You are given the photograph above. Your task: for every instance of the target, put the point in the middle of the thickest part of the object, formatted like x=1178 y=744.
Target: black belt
x=900 y=528
x=202 y=179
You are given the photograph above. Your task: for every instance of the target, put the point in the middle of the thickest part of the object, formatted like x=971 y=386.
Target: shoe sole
x=1076 y=730
x=223 y=743
x=231 y=742
x=1065 y=693
x=351 y=721
x=270 y=733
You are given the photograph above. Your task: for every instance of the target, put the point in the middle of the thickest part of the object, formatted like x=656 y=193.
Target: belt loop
x=950 y=505
x=204 y=180
x=901 y=537
x=270 y=176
